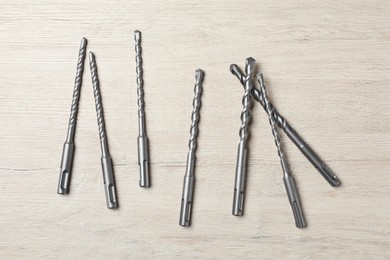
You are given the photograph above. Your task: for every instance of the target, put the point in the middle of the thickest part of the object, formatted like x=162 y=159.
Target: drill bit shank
x=68 y=149
x=309 y=153
x=108 y=174
x=289 y=183
x=241 y=167
x=143 y=146
x=189 y=177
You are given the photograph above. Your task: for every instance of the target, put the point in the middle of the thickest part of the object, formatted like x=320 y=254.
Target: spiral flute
x=189 y=177
x=309 y=153
x=108 y=174
x=291 y=189
x=242 y=159
x=68 y=149
x=143 y=145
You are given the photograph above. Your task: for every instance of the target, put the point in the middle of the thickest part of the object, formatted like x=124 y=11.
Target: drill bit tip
x=249 y=66
x=199 y=74
x=137 y=35
x=91 y=56
x=233 y=68
x=260 y=78
x=236 y=71
x=250 y=60
x=83 y=44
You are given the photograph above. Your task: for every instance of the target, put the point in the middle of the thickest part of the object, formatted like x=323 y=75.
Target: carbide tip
x=91 y=56
x=250 y=66
x=232 y=68
x=199 y=74
x=137 y=35
x=260 y=78
x=83 y=43
x=250 y=61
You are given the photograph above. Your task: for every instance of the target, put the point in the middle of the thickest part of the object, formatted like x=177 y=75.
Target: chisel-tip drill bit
x=143 y=146
x=309 y=153
x=189 y=177
x=68 y=150
x=242 y=159
x=288 y=179
x=108 y=174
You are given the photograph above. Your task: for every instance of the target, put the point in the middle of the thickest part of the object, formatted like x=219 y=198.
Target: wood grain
x=327 y=69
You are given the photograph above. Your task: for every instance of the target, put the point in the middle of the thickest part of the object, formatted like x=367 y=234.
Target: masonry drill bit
x=291 y=189
x=309 y=153
x=241 y=167
x=108 y=174
x=189 y=177
x=143 y=146
x=68 y=149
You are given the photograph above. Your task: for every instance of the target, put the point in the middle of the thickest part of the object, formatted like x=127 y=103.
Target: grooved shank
x=289 y=182
x=68 y=149
x=189 y=177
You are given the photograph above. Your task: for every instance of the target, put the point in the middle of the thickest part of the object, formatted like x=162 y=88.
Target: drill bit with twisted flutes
x=69 y=146
x=242 y=155
x=189 y=177
x=309 y=153
x=143 y=146
x=108 y=174
x=291 y=189
x=276 y=120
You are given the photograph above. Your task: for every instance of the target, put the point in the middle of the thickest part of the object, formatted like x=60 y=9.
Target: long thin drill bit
x=242 y=158
x=108 y=174
x=143 y=146
x=68 y=150
x=288 y=179
x=189 y=177
x=309 y=153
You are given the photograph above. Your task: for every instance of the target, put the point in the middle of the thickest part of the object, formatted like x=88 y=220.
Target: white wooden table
x=327 y=66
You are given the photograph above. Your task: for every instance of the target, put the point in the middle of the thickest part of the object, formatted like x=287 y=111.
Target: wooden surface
x=327 y=68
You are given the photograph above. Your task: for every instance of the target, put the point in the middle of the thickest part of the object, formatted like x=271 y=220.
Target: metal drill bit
x=291 y=189
x=108 y=174
x=143 y=146
x=241 y=168
x=68 y=149
x=309 y=153
x=189 y=177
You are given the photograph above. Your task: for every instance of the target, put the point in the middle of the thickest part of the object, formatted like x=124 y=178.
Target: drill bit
x=309 y=153
x=108 y=174
x=241 y=168
x=68 y=149
x=143 y=146
x=288 y=179
x=189 y=177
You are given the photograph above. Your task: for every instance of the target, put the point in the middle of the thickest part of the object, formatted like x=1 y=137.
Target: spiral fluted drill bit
x=242 y=156
x=68 y=150
x=108 y=174
x=143 y=146
x=291 y=188
x=309 y=153
x=189 y=177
